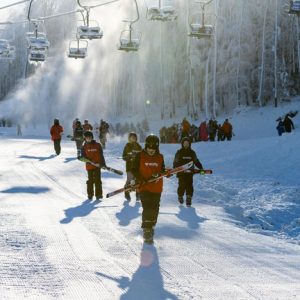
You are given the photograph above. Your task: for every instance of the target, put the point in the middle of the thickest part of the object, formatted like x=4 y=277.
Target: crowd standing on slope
x=145 y=167
x=206 y=131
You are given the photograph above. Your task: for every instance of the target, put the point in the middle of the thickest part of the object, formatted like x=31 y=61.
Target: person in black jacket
x=129 y=153
x=78 y=137
x=288 y=124
x=185 y=179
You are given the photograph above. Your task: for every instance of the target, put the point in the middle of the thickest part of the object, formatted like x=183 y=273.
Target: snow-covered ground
x=240 y=240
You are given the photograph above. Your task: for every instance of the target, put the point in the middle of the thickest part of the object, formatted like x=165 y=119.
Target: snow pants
x=94 y=180
x=57 y=147
x=150 y=202
x=79 y=144
x=185 y=185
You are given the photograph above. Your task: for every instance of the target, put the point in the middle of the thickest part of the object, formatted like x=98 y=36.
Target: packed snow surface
x=240 y=240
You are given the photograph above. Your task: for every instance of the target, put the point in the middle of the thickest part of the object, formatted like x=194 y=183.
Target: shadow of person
x=40 y=158
x=147 y=282
x=69 y=159
x=82 y=210
x=128 y=213
x=27 y=190
x=189 y=215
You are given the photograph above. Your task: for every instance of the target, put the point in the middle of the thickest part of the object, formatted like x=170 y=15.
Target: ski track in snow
x=56 y=244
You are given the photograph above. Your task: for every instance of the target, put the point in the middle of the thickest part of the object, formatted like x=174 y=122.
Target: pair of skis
x=168 y=173
x=86 y=160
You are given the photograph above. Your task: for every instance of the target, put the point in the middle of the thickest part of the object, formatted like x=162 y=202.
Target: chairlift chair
x=78 y=49
x=38 y=40
x=199 y=29
x=130 y=40
x=90 y=32
x=165 y=13
x=6 y=50
x=294 y=8
x=37 y=55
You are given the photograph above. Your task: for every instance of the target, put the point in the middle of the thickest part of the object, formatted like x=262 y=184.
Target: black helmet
x=152 y=141
x=88 y=134
x=132 y=134
x=56 y=121
x=186 y=138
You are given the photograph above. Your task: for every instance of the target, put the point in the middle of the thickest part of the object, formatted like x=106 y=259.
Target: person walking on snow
x=87 y=126
x=78 y=137
x=280 y=127
x=56 y=131
x=288 y=124
x=185 y=179
x=149 y=164
x=94 y=152
x=227 y=130
x=131 y=149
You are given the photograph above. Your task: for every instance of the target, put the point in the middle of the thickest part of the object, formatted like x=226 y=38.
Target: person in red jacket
x=94 y=152
x=56 y=132
x=149 y=164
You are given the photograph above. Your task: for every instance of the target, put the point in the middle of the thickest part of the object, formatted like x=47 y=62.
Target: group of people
x=145 y=164
x=206 y=131
x=285 y=125
x=142 y=164
x=79 y=129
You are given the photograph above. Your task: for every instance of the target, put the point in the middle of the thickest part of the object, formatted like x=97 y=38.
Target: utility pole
x=275 y=53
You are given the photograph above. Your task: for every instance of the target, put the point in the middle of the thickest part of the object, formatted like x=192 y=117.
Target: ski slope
x=240 y=240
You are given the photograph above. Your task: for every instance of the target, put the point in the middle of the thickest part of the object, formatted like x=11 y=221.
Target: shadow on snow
x=26 y=190
x=40 y=158
x=128 y=213
x=147 y=282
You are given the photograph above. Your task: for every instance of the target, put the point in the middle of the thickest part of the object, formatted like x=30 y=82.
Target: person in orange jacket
x=227 y=130
x=56 y=132
x=149 y=164
x=94 y=152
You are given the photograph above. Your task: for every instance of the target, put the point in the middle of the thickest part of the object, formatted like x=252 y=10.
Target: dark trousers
x=94 y=179
x=78 y=146
x=57 y=147
x=185 y=185
x=150 y=203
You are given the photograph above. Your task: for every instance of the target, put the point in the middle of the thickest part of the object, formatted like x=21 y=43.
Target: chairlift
x=294 y=8
x=90 y=32
x=6 y=50
x=130 y=40
x=161 y=13
x=37 y=55
x=199 y=28
x=78 y=49
x=37 y=38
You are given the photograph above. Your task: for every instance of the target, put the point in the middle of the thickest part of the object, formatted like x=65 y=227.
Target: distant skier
x=87 y=126
x=92 y=150
x=78 y=137
x=131 y=149
x=288 y=124
x=103 y=131
x=203 y=134
x=280 y=127
x=227 y=130
x=56 y=132
x=19 y=130
x=74 y=124
x=149 y=164
x=220 y=133
x=185 y=179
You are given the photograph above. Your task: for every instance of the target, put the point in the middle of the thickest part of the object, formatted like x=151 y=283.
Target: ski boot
x=180 y=200
x=148 y=235
x=99 y=199
x=188 y=201
x=127 y=196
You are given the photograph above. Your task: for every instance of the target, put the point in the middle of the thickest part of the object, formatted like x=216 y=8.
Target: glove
x=132 y=182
